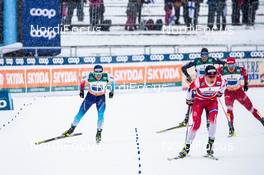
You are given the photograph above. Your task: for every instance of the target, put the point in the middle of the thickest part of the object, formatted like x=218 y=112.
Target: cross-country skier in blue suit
x=97 y=82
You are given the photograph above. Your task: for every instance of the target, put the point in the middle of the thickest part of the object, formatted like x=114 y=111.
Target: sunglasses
x=97 y=74
x=211 y=76
x=204 y=54
x=231 y=65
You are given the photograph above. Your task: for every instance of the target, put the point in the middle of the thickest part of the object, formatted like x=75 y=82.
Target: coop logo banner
x=50 y=13
x=49 y=33
x=41 y=25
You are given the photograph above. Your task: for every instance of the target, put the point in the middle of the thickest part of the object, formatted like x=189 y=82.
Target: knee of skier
x=229 y=108
x=212 y=116
x=196 y=121
x=230 y=113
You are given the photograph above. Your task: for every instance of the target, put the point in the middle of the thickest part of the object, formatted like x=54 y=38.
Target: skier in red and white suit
x=234 y=91
x=207 y=88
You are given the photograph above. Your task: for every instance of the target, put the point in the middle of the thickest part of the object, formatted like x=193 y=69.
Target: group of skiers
x=203 y=94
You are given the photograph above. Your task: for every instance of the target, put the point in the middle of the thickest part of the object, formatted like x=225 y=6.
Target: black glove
x=245 y=86
x=189 y=79
x=81 y=93
x=111 y=94
x=219 y=94
x=189 y=102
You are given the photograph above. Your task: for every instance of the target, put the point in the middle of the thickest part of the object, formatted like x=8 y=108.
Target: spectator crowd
x=217 y=13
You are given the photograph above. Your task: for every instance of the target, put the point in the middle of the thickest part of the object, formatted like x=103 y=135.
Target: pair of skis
x=172 y=128
x=57 y=138
x=180 y=125
x=208 y=156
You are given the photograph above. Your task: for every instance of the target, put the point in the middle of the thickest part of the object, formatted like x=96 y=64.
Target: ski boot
x=209 y=147
x=231 y=130
x=98 y=135
x=262 y=121
x=69 y=131
x=185 y=151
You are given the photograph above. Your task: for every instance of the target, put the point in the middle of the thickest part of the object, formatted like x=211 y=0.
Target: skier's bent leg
x=196 y=114
x=246 y=102
x=86 y=104
x=100 y=109
x=100 y=105
x=212 y=119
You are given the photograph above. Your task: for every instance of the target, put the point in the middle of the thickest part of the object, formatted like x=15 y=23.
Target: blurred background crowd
x=243 y=12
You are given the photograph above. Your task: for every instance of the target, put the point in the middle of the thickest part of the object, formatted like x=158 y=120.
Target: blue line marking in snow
x=17 y=115
x=138 y=152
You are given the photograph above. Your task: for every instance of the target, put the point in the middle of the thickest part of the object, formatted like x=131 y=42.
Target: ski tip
x=210 y=157
x=174 y=158
x=77 y=134
x=38 y=143
x=230 y=136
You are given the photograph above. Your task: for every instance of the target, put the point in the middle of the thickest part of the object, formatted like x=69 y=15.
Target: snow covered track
x=116 y=154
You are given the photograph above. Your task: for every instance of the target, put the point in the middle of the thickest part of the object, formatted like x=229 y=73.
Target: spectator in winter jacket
x=191 y=12
x=168 y=8
x=132 y=13
x=218 y=7
x=140 y=5
x=177 y=8
x=249 y=9
x=221 y=14
x=71 y=5
x=236 y=7
x=96 y=12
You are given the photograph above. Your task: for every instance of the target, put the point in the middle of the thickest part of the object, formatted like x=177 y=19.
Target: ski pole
x=187 y=128
x=227 y=117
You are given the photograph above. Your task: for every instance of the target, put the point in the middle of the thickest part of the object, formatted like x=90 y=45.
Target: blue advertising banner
x=29 y=61
x=41 y=26
x=6 y=102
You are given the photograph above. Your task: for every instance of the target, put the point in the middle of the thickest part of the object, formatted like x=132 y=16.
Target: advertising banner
x=129 y=74
x=164 y=74
x=68 y=79
x=6 y=102
x=137 y=59
x=64 y=79
x=255 y=70
x=14 y=80
x=38 y=80
x=41 y=26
